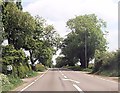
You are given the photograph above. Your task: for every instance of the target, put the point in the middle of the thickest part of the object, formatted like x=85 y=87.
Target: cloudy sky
x=57 y=12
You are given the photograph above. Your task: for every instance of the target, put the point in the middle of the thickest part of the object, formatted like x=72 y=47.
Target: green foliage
x=21 y=71
x=42 y=42
x=108 y=64
x=31 y=74
x=17 y=24
x=9 y=82
x=24 y=31
x=15 y=81
x=75 y=68
x=40 y=67
x=85 y=30
x=1 y=30
x=17 y=59
x=4 y=80
x=18 y=4
x=60 y=62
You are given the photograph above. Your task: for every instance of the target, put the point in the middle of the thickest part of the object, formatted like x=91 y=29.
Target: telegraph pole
x=85 y=49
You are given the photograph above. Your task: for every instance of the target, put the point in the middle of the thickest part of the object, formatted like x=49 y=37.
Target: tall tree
x=86 y=37
x=33 y=34
x=42 y=42
x=17 y=25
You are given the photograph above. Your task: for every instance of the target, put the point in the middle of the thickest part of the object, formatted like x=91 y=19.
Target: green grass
x=31 y=74
x=13 y=83
x=87 y=70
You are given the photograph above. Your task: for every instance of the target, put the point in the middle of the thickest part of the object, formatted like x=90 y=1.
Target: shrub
x=15 y=81
x=75 y=68
x=4 y=80
x=17 y=59
x=21 y=71
x=40 y=67
x=15 y=71
x=109 y=65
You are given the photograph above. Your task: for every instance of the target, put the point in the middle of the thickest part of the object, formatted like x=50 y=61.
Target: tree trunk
x=87 y=63
x=71 y=64
x=83 y=64
x=32 y=61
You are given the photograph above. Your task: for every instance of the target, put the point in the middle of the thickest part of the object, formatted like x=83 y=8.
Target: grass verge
x=9 y=82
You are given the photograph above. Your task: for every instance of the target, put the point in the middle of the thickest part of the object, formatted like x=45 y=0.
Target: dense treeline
x=85 y=42
x=86 y=37
x=25 y=32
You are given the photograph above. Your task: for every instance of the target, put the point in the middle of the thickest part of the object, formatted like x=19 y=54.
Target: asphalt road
x=64 y=80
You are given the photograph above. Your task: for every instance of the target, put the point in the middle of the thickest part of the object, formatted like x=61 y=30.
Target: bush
x=40 y=67
x=75 y=68
x=21 y=71
x=15 y=81
x=15 y=71
x=9 y=82
x=16 y=58
x=109 y=65
x=4 y=80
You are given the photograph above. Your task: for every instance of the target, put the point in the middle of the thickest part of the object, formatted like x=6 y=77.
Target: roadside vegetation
x=24 y=33
x=108 y=65
x=86 y=42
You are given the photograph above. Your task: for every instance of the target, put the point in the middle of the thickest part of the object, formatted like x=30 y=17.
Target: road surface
x=63 y=80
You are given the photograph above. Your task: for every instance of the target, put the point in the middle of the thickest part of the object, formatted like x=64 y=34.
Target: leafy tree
x=33 y=34
x=87 y=35
x=16 y=58
x=42 y=42
x=61 y=61
x=18 y=4
x=17 y=25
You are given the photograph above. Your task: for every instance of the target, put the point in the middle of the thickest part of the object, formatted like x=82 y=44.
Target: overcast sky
x=57 y=12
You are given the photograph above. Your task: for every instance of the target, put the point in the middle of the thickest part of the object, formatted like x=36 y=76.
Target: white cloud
x=58 y=12
x=112 y=39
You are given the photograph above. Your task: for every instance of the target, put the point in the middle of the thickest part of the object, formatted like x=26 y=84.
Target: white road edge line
x=103 y=79
x=32 y=82
x=78 y=89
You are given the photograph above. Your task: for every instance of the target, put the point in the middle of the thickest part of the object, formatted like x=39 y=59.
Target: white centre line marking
x=60 y=71
x=78 y=89
x=65 y=77
x=71 y=80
